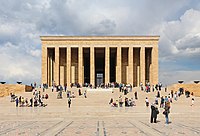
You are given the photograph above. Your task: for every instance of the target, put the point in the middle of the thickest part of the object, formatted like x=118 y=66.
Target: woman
x=166 y=112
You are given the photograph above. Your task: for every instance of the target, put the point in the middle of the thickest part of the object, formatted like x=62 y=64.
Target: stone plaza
x=93 y=116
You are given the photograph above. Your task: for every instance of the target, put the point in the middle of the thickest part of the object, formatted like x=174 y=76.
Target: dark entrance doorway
x=113 y=56
x=86 y=61
x=99 y=78
x=99 y=65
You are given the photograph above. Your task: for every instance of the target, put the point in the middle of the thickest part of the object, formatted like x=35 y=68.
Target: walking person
x=69 y=102
x=166 y=112
x=147 y=102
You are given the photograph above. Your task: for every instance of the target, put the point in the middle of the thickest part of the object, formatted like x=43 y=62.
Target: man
x=136 y=95
x=154 y=112
x=69 y=102
x=17 y=101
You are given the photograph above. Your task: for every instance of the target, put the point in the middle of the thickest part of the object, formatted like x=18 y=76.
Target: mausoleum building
x=99 y=59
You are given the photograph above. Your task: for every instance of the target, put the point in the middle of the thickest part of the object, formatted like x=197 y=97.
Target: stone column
x=92 y=66
x=154 y=65
x=130 y=65
x=44 y=64
x=57 y=66
x=142 y=64
x=51 y=70
x=68 y=56
x=138 y=76
x=107 y=65
x=119 y=65
x=80 y=65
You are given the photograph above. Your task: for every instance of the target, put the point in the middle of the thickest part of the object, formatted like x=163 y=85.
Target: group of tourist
x=127 y=102
x=147 y=88
x=35 y=101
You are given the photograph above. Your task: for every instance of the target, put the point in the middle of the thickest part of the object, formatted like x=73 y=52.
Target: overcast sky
x=23 y=21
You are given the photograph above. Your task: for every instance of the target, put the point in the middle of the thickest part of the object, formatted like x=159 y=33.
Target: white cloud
x=17 y=65
x=22 y=22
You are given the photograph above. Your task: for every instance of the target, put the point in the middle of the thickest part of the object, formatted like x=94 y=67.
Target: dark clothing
x=17 y=102
x=69 y=102
x=154 y=112
x=166 y=113
x=31 y=101
x=158 y=95
x=136 y=95
x=79 y=92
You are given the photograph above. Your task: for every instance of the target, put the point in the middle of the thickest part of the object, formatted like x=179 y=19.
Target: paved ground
x=93 y=116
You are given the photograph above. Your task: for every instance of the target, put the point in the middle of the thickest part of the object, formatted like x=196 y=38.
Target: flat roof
x=75 y=38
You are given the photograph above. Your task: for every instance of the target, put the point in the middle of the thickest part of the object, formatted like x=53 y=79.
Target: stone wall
x=6 y=89
x=195 y=88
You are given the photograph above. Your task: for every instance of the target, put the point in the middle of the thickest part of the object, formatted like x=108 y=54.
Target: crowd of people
x=37 y=100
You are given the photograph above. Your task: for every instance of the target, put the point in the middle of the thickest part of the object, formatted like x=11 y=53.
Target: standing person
x=17 y=102
x=79 y=92
x=172 y=93
x=69 y=102
x=147 y=102
x=152 y=88
x=192 y=101
x=162 y=100
x=85 y=94
x=175 y=96
x=166 y=112
x=65 y=87
x=141 y=85
x=20 y=100
x=156 y=100
x=31 y=102
x=120 y=101
x=154 y=112
x=136 y=95
x=158 y=94
x=52 y=88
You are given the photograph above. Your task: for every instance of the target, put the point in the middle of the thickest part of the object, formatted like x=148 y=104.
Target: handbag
x=164 y=112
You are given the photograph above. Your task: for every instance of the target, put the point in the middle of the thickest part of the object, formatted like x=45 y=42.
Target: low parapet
x=6 y=89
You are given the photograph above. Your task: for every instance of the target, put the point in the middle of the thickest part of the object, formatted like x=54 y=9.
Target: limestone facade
x=6 y=89
x=192 y=87
x=96 y=59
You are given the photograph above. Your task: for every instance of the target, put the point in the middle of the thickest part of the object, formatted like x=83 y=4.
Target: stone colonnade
x=67 y=59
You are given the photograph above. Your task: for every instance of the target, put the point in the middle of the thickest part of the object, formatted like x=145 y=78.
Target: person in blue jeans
x=166 y=112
